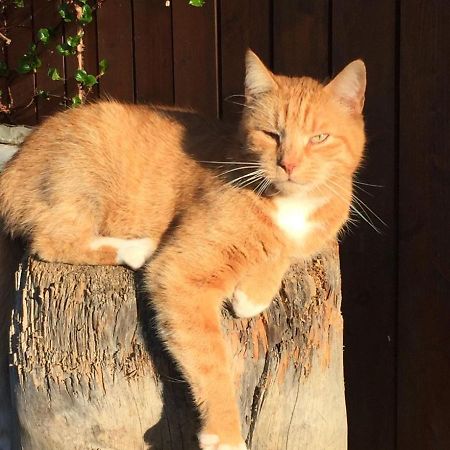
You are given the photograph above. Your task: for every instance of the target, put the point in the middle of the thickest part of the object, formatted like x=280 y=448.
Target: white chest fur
x=293 y=215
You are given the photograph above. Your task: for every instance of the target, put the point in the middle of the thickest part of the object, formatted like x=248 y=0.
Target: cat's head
x=303 y=133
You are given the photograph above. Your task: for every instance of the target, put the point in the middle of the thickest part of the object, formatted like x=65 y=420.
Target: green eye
x=319 y=138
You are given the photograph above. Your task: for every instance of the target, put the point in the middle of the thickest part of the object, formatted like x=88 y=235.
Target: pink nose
x=289 y=167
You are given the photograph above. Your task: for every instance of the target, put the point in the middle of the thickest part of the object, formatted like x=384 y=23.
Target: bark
x=88 y=371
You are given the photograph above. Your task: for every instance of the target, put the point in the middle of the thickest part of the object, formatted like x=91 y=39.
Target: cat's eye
x=319 y=138
x=273 y=135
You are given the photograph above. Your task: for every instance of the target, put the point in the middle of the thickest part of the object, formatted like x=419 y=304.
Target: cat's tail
x=11 y=252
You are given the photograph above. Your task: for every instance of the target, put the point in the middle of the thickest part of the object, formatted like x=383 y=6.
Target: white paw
x=243 y=305
x=212 y=442
x=135 y=252
x=132 y=252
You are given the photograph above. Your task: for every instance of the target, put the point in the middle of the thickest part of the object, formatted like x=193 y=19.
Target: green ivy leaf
x=103 y=66
x=3 y=69
x=65 y=49
x=65 y=13
x=90 y=80
x=24 y=66
x=81 y=75
x=54 y=74
x=19 y=3
x=84 y=78
x=86 y=14
x=44 y=35
x=76 y=101
x=29 y=62
x=73 y=41
x=197 y=3
x=43 y=94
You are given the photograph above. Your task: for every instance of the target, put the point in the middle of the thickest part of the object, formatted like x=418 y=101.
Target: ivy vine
x=78 y=12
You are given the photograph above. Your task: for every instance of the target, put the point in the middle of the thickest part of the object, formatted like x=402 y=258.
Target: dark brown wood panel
x=46 y=15
x=89 y=57
x=300 y=37
x=153 y=51
x=115 y=43
x=424 y=248
x=20 y=31
x=195 y=56
x=367 y=30
x=4 y=94
x=243 y=25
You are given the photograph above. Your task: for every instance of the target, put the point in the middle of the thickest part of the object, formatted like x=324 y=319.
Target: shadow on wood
x=88 y=372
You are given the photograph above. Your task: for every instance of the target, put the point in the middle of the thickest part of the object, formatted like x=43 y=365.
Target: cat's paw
x=244 y=307
x=212 y=442
x=135 y=252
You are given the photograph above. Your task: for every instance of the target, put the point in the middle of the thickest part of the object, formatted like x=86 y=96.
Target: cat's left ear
x=258 y=78
x=349 y=85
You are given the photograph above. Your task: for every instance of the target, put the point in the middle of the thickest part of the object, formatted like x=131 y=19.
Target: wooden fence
x=396 y=283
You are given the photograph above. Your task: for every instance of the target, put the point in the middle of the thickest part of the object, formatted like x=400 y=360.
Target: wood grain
x=300 y=38
x=153 y=51
x=195 y=56
x=115 y=44
x=20 y=31
x=45 y=15
x=369 y=258
x=243 y=25
x=86 y=363
x=424 y=216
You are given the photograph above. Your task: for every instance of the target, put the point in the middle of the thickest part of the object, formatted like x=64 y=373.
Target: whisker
x=353 y=207
x=233 y=170
x=362 y=204
x=368 y=184
x=363 y=190
x=249 y=182
x=254 y=163
x=256 y=173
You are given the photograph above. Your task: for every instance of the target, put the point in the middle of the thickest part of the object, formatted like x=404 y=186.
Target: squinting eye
x=319 y=138
x=272 y=134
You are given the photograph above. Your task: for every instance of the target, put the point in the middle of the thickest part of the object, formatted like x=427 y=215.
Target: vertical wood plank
x=4 y=96
x=153 y=51
x=20 y=31
x=368 y=258
x=300 y=37
x=424 y=216
x=89 y=57
x=195 y=56
x=45 y=15
x=243 y=25
x=115 y=43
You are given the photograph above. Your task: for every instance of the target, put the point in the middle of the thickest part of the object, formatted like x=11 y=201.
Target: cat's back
x=117 y=157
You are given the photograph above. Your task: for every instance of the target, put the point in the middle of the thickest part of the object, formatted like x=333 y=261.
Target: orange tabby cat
x=216 y=214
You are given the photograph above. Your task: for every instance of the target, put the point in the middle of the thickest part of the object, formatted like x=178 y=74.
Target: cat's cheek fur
x=212 y=442
x=132 y=252
x=245 y=307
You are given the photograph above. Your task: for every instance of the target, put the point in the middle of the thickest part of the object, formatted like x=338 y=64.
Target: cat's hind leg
x=70 y=237
x=93 y=250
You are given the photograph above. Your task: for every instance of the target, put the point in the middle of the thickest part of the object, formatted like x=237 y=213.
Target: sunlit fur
x=215 y=203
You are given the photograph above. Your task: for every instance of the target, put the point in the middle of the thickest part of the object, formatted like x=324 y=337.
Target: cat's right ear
x=258 y=78
x=349 y=85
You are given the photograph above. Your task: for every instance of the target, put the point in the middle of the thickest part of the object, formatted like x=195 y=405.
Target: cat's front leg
x=255 y=291
x=187 y=302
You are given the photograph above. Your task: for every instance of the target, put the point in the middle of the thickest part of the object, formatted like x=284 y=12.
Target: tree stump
x=88 y=371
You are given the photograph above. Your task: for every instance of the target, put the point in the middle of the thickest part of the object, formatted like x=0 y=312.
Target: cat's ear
x=258 y=78
x=349 y=85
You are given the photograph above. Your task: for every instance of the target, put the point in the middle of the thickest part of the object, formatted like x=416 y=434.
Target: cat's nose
x=288 y=166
